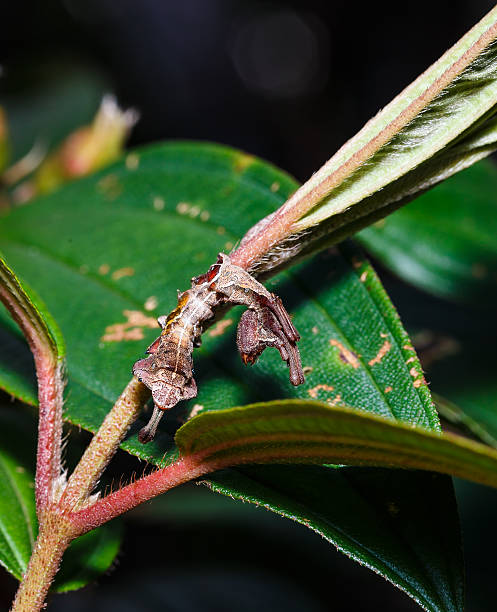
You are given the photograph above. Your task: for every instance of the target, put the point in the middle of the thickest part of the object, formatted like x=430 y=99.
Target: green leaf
x=29 y=310
x=388 y=520
x=467 y=380
x=119 y=244
x=18 y=524
x=125 y=240
x=87 y=557
x=295 y=431
x=445 y=242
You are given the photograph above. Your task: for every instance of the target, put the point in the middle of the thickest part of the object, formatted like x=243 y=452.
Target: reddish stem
x=137 y=492
x=50 y=397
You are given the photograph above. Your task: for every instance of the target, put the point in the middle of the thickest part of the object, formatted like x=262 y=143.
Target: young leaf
x=439 y=124
x=119 y=245
x=445 y=242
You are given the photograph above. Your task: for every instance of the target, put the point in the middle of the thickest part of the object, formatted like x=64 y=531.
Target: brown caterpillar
x=168 y=373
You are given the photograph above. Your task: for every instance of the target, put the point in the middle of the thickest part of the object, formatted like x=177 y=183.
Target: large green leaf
x=118 y=245
x=446 y=241
x=87 y=557
x=376 y=516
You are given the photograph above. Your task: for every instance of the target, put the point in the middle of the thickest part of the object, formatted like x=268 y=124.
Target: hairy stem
x=104 y=444
x=130 y=496
x=54 y=537
x=49 y=373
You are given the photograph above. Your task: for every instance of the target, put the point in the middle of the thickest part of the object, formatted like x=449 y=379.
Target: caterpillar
x=168 y=370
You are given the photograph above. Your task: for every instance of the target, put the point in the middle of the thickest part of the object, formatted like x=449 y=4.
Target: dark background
x=290 y=82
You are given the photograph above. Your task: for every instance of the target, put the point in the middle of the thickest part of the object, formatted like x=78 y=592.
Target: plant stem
x=48 y=457
x=49 y=373
x=54 y=537
x=104 y=444
x=141 y=490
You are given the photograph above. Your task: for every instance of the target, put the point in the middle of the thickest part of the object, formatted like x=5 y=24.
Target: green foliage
x=18 y=524
x=87 y=557
x=310 y=432
x=442 y=122
x=388 y=520
x=120 y=243
x=445 y=242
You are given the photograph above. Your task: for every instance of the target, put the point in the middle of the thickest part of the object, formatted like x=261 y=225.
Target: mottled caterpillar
x=168 y=372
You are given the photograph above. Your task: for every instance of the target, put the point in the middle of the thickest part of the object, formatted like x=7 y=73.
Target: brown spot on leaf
x=363 y=276
x=346 y=355
x=131 y=329
x=132 y=161
x=336 y=400
x=411 y=359
x=182 y=208
x=110 y=186
x=274 y=187
x=122 y=272
x=413 y=372
x=307 y=369
x=205 y=215
x=315 y=330
x=315 y=390
x=104 y=269
x=357 y=263
x=158 y=203
x=381 y=353
x=388 y=389
x=220 y=327
x=417 y=383
x=243 y=161
x=151 y=303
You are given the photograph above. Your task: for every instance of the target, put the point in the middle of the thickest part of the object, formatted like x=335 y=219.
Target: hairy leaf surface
x=441 y=123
